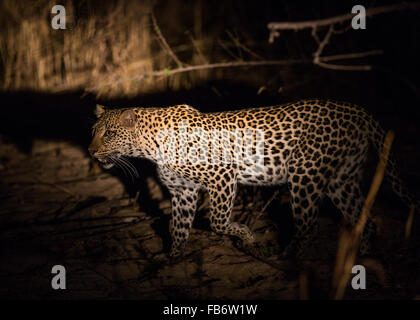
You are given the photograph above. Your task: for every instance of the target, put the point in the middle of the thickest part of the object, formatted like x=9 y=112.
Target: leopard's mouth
x=107 y=160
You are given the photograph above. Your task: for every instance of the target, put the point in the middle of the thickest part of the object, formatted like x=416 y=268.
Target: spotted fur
x=317 y=148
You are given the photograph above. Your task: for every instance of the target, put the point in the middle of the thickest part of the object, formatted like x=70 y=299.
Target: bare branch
x=276 y=26
x=168 y=72
x=227 y=65
x=321 y=61
x=161 y=74
x=315 y=25
x=318 y=60
x=322 y=44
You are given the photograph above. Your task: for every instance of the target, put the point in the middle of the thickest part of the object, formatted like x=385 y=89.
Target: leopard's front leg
x=184 y=205
x=184 y=197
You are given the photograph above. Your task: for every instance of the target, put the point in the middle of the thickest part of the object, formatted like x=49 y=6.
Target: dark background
x=32 y=111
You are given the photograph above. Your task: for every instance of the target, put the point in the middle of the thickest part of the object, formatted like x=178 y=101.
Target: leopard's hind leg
x=345 y=192
x=222 y=196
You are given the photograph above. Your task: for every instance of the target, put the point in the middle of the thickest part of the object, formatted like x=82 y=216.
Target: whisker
x=118 y=164
x=133 y=168
x=123 y=164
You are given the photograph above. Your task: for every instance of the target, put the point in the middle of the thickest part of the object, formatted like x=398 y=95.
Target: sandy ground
x=57 y=208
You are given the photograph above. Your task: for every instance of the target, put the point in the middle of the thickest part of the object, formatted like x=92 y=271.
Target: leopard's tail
x=392 y=175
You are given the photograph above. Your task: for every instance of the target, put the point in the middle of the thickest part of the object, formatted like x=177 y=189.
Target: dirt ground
x=58 y=208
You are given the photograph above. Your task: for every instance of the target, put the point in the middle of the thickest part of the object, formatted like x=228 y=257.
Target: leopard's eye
x=110 y=133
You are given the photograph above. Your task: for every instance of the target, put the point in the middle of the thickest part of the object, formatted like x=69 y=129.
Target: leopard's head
x=112 y=135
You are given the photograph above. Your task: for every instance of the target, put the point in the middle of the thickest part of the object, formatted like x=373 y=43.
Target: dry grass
x=116 y=42
x=349 y=241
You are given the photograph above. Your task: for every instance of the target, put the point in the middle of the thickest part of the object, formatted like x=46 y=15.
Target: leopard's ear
x=128 y=118
x=99 y=110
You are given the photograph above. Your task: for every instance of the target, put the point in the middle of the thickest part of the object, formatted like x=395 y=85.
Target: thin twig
x=54 y=185
x=349 y=241
x=243 y=47
x=164 y=42
x=409 y=223
x=355 y=55
x=344 y=67
x=275 y=194
x=225 y=47
x=197 y=48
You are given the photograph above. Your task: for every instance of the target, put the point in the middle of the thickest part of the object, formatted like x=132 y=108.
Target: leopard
x=317 y=148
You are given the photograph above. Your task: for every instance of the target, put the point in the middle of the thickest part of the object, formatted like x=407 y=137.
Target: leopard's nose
x=92 y=150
